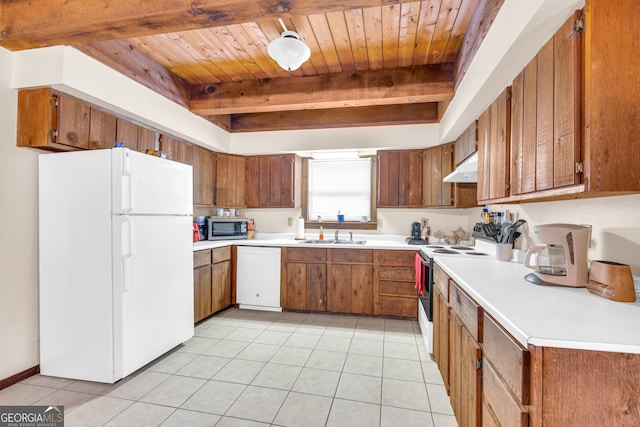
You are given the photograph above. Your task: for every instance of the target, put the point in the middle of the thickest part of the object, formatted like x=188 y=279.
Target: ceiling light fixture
x=289 y=51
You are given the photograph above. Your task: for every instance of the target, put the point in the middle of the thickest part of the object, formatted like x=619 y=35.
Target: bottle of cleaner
x=321 y=236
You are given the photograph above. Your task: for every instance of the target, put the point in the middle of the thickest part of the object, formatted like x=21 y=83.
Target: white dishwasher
x=258 y=278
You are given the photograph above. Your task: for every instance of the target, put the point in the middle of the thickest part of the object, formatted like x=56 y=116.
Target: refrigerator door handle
x=126 y=193
x=127 y=255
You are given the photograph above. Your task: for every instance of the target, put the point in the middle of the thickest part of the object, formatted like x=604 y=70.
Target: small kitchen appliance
x=611 y=280
x=416 y=238
x=226 y=229
x=561 y=257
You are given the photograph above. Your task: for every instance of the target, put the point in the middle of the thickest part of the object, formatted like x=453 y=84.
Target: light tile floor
x=255 y=368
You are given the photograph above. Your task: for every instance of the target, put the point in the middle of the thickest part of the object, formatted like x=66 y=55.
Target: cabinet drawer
x=201 y=258
x=441 y=281
x=386 y=272
x=467 y=310
x=352 y=255
x=501 y=407
x=398 y=306
x=395 y=257
x=221 y=254
x=397 y=288
x=306 y=254
x=509 y=358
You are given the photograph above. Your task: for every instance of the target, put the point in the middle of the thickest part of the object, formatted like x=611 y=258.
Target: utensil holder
x=504 y=251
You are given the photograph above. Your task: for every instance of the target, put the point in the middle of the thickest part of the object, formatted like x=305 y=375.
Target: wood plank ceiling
x=372 y=62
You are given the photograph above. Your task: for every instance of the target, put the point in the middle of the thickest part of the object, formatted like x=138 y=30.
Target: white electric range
x=482 y=248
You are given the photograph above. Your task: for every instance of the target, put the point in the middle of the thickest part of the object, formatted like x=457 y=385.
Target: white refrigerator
x=116 y=261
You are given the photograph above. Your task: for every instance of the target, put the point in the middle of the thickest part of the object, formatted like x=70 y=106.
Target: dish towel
x=418 y=266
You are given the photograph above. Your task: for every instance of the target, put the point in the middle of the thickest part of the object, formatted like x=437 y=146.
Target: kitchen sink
x=334 y=242
x=350 y=242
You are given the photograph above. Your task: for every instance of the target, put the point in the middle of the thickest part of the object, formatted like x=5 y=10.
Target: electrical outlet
x=290 y=222
x=425 y=223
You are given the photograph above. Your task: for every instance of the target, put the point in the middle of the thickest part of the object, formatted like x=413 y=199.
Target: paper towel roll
x=300 y=228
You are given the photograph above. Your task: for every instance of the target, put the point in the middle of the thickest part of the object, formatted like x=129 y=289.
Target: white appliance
x=482 y=249
x=258 y=278
x=116 y=261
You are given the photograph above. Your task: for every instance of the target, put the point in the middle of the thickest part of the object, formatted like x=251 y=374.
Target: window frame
x=334 y=224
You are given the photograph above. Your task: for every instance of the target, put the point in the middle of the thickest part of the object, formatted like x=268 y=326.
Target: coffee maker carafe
x=561 y=257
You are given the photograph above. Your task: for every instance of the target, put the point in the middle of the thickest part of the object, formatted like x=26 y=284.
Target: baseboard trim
x=19 y=377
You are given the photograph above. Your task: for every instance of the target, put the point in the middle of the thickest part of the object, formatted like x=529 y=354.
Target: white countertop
x=288 y=239
x=546 y=315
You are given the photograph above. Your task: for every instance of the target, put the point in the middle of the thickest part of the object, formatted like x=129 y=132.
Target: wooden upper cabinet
x=611 y=97
x=102 y=130
x=230 y=180
x=273 y=181
x=146 y=139
x=127 y=133
x=545 y=135
x=437 y=163
x=73 y=122
x=51 y=120
x=493 y=149
x=466 y=144
x=203 y=176
x=575 y=109
x=177 y=150
x=399 y=178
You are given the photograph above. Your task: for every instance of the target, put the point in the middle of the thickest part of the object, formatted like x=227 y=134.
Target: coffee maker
x=416 y=235
x=561 y=257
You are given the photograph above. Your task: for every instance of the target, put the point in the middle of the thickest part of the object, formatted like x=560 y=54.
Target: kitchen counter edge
x=545 y=316
x=372 y=244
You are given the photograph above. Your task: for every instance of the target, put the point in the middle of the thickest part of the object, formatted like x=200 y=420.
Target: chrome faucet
x=337 y=231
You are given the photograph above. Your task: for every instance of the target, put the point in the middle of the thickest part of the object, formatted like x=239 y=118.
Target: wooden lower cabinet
x=465 y=376
x=201 y=292
x=353 y=281
x=306 y=286
x=441 y=335
x=211 y=281
x=201 y=284
x=571 y=387
x=220 y=285
x=351 y=289
x=499 y=406
x=304 y=279
x=395 y=283
x=495 y=381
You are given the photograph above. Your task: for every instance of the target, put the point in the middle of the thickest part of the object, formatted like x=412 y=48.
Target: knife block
x=611 y=280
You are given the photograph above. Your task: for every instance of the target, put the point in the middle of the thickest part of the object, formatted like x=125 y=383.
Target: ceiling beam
x=126 y=59
x=427 y=83
x=31 y=24
x=378 y=115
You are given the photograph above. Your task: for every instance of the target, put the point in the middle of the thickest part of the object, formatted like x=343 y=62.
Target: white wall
x=365 y=139
x=615 y=222
x=18 y=238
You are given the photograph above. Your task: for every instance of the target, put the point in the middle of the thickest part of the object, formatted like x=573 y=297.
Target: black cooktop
x=444 y=251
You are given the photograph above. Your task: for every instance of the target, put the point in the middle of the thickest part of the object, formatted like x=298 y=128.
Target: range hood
x=467 y=171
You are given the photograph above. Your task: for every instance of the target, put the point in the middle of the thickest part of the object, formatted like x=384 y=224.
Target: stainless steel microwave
x=226 y=228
